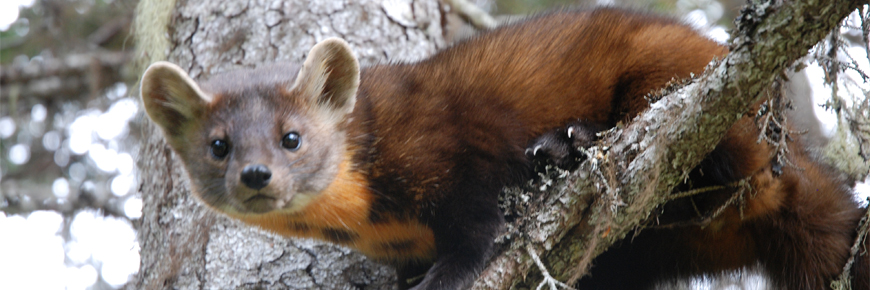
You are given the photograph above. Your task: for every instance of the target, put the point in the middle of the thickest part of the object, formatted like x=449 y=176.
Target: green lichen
x=152 y=31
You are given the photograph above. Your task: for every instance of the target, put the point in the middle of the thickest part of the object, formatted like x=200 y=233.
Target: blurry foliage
x=64 y=62
x=532 y=6
x=511 y=7
x=667 y=7
x=68 y=26
x=60 y=47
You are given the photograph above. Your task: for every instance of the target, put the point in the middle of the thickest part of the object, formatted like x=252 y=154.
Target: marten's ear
x=330 y=77
x=171 y=98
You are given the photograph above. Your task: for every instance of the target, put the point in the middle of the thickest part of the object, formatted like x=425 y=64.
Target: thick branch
x=615 y=191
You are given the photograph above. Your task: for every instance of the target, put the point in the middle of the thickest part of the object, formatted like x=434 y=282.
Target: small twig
x=844 y=280
x=855 y=66
x=764 y=127
x=737 y=196
x=682 y=194
x=865 y=30
x=473 y=14
x=548 y=279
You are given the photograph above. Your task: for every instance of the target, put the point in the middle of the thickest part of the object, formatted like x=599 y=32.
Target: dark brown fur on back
x=487 y=98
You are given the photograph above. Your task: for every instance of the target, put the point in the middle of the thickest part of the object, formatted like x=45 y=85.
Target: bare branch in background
x=50 y=77
x=473 y=14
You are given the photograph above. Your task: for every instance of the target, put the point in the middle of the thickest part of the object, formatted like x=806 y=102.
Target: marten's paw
x=561 y=146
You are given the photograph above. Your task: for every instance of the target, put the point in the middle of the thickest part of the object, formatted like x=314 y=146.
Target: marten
x=405 y=162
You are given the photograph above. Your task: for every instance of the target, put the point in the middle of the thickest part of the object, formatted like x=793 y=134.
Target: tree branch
x=53 y=78
x=582 y=215
x=473 y=14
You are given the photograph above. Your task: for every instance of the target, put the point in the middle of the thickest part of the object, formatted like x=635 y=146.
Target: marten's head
x=259 y=140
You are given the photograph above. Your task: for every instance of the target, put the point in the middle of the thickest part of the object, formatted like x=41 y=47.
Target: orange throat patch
x=340 y=214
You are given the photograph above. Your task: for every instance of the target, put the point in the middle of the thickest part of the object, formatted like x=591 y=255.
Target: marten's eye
x=291 y=141
x=220 y=148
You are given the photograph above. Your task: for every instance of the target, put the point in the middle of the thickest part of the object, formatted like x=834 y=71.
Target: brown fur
x=407 y=166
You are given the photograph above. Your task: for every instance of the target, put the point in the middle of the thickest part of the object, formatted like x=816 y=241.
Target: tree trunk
x=185 y=245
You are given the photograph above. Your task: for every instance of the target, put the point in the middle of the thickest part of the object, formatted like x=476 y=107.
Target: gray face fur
x=237 y=121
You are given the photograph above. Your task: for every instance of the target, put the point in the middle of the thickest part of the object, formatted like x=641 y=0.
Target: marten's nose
x=256 y=176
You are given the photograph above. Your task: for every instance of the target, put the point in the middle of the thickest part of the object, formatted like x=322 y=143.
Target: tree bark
x=183 y=244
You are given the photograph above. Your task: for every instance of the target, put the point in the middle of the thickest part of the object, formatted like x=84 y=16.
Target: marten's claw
x=561 y=146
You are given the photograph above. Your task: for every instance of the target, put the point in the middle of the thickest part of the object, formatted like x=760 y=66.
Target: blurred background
x=68 y=144
x=69 y=119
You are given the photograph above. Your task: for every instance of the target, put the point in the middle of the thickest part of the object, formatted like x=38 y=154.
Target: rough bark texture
x=615 y=191
x=183 y=244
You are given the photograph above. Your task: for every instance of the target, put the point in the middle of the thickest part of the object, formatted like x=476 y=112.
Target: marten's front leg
x=465 y=225
x=561 y=146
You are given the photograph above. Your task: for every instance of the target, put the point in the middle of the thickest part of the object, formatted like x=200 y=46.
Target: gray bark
x=183 y=244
